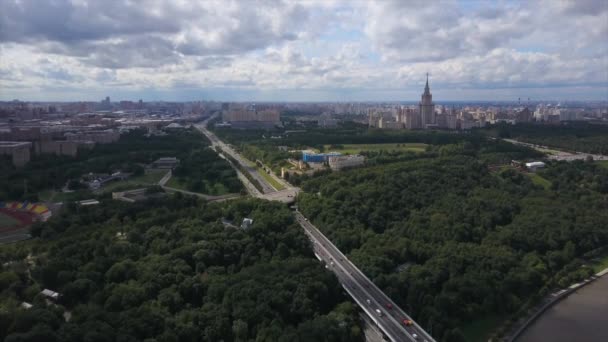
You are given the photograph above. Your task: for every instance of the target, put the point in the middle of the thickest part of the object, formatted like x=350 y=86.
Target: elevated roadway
x=390 y=318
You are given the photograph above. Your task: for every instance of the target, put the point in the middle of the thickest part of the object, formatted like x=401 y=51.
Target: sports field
x=356 y=148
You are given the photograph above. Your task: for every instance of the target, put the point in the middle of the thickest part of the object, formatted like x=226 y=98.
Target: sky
x=178 y=50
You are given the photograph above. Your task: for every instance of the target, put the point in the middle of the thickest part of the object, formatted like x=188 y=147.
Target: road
x=557 y=154
x=215 y=142
x=365 y=293
x=363 y=290
x=268 y=192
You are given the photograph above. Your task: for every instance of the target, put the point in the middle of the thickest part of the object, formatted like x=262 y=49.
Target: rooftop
x=14 y=143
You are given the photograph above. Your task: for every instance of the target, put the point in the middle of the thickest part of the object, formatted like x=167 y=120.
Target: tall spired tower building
x=427 y=107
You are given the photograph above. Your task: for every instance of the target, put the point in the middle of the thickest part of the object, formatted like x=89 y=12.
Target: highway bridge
x=390 y=318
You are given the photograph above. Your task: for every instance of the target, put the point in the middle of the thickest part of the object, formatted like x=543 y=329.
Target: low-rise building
x=340 y=162
x=18 y=150
x=165 y=163
x=62 y=147
x=247 y=223
x=101 y=137
x=312 y=157
x=533 y=166
x=50 y=294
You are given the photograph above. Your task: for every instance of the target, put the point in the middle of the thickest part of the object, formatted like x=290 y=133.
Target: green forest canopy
x=452 y=242
x=169 y=270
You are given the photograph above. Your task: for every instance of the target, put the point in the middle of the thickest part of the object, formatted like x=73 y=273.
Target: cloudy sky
x=303 y=50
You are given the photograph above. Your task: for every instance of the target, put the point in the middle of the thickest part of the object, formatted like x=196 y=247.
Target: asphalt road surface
x=366 y=294
x=266 y=188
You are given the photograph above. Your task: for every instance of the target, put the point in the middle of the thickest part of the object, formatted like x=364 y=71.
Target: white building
x=533 y=166
x=337 y=163
x=51 y=294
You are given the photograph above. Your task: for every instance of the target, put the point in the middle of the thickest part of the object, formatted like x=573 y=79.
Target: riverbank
x=520 y=330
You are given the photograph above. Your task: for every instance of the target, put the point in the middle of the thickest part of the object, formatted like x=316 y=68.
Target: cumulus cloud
x=275 y=45
x=116 y=34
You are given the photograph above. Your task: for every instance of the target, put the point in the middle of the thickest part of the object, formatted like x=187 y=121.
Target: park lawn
x=481 y=329
x=59 y=196
x=7 y=221
x=175 y=183
x=602 y=163
x=357 y=148
x=538 y=180
x=270 y=179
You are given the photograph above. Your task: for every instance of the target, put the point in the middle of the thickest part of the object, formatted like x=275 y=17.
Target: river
x=581 y=317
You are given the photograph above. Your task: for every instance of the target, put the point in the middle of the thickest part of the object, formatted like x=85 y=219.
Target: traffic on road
x=395 y=323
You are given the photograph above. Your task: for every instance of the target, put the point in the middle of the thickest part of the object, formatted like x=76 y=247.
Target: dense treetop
x=451 y=241
x=172 y=270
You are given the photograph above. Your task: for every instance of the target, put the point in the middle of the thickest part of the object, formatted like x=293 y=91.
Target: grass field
x=480 y=330
x=356 y=148
x=600 y=264
x=7 y=221
x=58 y=196
x=538 y=180
x=175 y=183
x=603 y=163
x=270 y=179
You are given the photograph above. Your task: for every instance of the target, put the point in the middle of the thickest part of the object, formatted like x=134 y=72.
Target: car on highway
x=407 y=322
x=379 y=312
x=389 y=306
x=368 y=301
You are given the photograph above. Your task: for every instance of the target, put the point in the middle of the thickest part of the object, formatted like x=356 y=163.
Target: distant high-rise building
x=412 y=119
x=105 y=103
x=427 y=107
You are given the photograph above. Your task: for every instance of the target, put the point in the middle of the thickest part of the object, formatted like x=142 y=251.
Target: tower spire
x=426 y=87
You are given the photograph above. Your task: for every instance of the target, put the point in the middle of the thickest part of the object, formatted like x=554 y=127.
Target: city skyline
x=309 y=51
